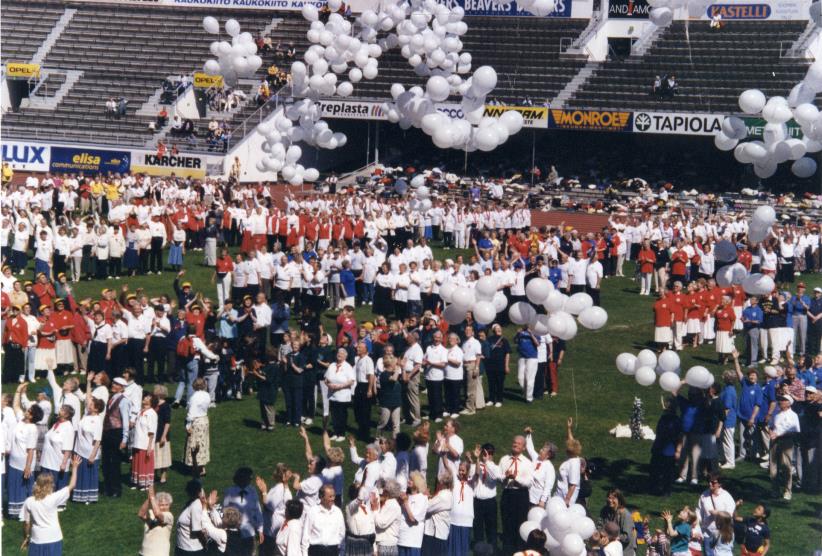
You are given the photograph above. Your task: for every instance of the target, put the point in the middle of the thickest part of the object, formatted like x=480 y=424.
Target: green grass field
x=591 y=390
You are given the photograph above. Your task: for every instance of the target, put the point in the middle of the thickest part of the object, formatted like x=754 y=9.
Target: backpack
x=185 y=347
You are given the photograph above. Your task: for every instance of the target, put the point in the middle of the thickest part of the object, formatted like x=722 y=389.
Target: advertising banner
x=181 y=165
x=628 y=9
x=27 y=156
x=88 y=161
x=756 y=128
x=736 y=10
x=351 y=110
x=288 y=5
x=502 y=8
x=205 y=81
x=594 y=120
x=532 y=116
x=674 y=123
x=23 y=71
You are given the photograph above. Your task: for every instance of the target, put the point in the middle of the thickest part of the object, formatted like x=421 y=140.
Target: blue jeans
x=187 y=379
x=41 y=266
x=368 y=292
x=293 y=403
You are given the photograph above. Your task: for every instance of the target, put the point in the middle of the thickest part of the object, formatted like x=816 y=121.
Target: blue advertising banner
x=92 y=161
x=503 y=8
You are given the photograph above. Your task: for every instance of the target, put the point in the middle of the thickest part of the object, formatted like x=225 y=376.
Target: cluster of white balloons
x=734 y=273
x=234 y=59
x=485 y=301
x=566 y=529
x=776 y=146
x=421 y=199
x=662 y=11
x=646 y=366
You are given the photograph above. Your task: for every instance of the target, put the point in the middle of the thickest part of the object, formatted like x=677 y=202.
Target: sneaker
x=764 y=465
x=694 y=482
x=438 y=420
x=149 y=273
x=416 y=423
x=727 y=466
x=787 y=495
x=239 y=395
x=309 y=421
x=680 y=480
x=455 y=415
x=466 y=412
x=498 y=404
x=553 y=394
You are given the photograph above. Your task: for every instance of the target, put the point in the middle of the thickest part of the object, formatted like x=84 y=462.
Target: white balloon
x=526 y=528
x=453 y=314
x=558 y=324
x=578 y=303
x=232 y=27
x=646 y=358
x=765 y=215
x=486 y=287
x=438 y=88
x=537 y=290
x=669 y=381
x=536 y=514
x=311 y=174
x=578 y=510
x=804 y=167
x=484 y=80
x=585 y=527
x=512 y=120
x=211 y=25
x=555 y=302
x=484 y=312
x=626 y=363
x=572 y=545
x=661 y=17
x=725 y=143
x=539 y=325
x=310 y=12
x=520 y=312
x=645 y=376
x=447 y=290
x=212 y=67
x=697 y=376
x=500 y=301
x=730 y=275
x=668 y=361
x=758 y=284
x=752 y=101
x=593 y=318
x=734 y=127
x=463 y=298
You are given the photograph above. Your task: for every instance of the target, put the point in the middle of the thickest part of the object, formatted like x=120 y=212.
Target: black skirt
x=382 y=301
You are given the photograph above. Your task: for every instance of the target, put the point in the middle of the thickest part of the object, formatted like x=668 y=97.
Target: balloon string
x=574 y=391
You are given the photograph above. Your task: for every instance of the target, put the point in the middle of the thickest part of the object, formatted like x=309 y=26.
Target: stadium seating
x=711 y=68
x=123 y=51
x=24 y=27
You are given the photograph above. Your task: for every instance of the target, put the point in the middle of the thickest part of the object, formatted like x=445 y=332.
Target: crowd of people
x=324 y=253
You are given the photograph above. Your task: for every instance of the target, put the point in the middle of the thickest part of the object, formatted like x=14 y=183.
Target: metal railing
x=91 y=138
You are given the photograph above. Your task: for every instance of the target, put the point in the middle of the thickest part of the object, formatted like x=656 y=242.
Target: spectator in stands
x=122 y=105
x=279 y=51
x=657 y=90
x=669 y=86
x=162 y=117
x=263 y=93
x=177 y=125
x=111 y=108
x=291 y=52
x=716 y=22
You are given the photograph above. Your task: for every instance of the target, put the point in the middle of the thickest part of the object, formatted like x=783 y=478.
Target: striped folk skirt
x=142 y=468
x=88 y=482
x=17 y=490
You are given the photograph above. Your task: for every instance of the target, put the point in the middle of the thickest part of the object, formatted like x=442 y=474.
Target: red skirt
x=142 y=468
x=258 y=240
x=247 y=243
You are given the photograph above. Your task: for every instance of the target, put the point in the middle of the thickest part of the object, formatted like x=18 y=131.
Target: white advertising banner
x=27 y=156
x=677 y=123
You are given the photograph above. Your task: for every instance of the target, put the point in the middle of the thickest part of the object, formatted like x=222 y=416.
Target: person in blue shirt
x=664 y=449
x=227 y=322
x=798 y=306
x=805 y=371
x=348 y=282
x=527 y=345
x=749 y=413
x=752 y=317
x=729 y=403
x=554 y=273
x=693 y=421
x=280 y=313
x=769 y=407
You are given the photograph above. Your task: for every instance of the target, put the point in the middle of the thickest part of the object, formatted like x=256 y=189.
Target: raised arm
x=309 y=453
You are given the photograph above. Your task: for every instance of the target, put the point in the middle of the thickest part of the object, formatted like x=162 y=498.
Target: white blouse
x=145 y=425
x=89 y=432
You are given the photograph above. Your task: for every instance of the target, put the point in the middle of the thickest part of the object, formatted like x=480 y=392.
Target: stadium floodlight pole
x=368 y=144
x=377 y=142
x=533 y=154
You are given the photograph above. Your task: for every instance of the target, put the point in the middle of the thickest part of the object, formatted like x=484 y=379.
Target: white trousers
x=526 y=375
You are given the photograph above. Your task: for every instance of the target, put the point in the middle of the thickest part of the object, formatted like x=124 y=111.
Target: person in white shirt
x=544 y=475
x=197 y=448
x=593 y=276
x=412 y=368
x=369 y=468
x=454 y=375
x=784 y=429
x=144 y=432
x=289 y=537
x=472 y=356
x=438 y=517
x=517 y=473
x=570 y=471
x=275 y=500
x=87 y=446
x=462 y=508
x=412 y=522
x=388 y=515
x=323 y=526
x=340 y=380
x=191 y=539
x=40 y=513
x=58 y=446
x=21 y=452
x=435 y=361
x=577 y=268
x=713 y=501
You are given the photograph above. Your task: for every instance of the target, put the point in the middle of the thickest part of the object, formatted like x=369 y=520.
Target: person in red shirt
x=44 y=290
x=693 y=326
x=739 y=298
x=45 y=358
x=196 y=319
x=346 y=325
x=15 y=340
x=725 y=318
x=614 y=266
x=64 y=348
x=679 y=303
x=713 y=299
x=222 y=276
x=744 y=256
x=646 y=259
x=663 y=320
x=679 y=264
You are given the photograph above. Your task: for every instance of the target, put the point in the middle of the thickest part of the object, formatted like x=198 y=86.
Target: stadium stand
x=711 y=67
x=159 y=42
